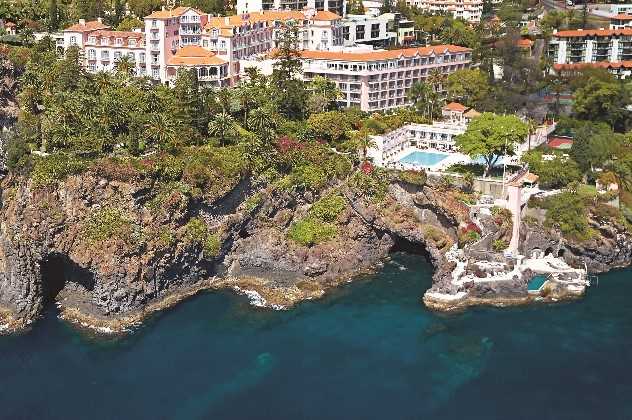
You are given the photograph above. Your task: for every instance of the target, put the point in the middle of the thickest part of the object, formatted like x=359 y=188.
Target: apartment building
x=369 y=29
x=168 y=30
x=621 y=21
x=104 y=48
x=380 y=80
x=468 y=10
x=607 y=48
x=250 y=6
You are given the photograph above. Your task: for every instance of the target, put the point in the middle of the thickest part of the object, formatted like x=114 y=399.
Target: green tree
x=129 y=23
x=468 y=86
x=491 y=136
x=331 y=126
x=53 y=15
x=222 y=126
x=289 y=93
x=602 y=100
x=323 y=94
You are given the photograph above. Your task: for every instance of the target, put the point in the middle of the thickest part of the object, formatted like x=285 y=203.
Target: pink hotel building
x=187 y=38
x=380 y=80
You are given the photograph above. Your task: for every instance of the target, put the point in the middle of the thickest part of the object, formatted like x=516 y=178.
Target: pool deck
x=452 y=158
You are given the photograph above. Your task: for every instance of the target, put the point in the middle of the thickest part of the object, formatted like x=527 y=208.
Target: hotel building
x=380 y=80
x=249 y=6
x=621 y=21
x=606 y=48
x=468 y=10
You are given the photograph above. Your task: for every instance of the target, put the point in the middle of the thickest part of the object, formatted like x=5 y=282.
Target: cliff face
x=108 y=252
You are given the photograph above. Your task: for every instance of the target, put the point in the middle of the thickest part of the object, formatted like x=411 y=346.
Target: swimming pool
x=536 y=283
x=425 y=159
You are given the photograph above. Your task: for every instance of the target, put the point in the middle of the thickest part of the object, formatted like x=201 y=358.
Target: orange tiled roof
x=263 y=16
x=593 y=32
x=524 y=43
x=9 y=24
x=92 y=25
x=382 y=55
x=193 y=55
x=326 y=15
x=598 y=64
x=177 y=12
x=455 y=106
x=621 y=16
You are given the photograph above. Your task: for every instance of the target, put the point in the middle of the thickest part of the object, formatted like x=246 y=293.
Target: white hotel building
x=380 y=80
x=607 y=48
x=468 y=10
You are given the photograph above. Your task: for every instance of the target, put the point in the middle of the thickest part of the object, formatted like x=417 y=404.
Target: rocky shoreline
x=111 y=252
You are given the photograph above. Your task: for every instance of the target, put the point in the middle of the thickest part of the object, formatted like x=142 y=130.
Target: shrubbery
x=196 y=231
x=329 y=207
x=47 y=170
x=567 y=211
x=311 y=231
x=108 y=223
x=417 y=178
x=373 y=185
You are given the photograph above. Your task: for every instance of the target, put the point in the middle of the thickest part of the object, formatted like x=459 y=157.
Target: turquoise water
x=536 y=282
x=423 y=158
x=369 y=350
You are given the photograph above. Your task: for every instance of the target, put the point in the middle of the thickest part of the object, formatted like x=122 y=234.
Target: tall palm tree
x=363 y=141
x=162 y=131
x=436 y=79
x=125 y=65
x=222 y=125
x=262 y=122
x=418 y=94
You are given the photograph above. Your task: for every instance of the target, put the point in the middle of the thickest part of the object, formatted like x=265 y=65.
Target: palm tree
x=222 y=125
x=622 y=170
x=125 y=65
x=418 y=94
x=162 y=131
x=262 y=122
x=363 y=141
x=436 y=79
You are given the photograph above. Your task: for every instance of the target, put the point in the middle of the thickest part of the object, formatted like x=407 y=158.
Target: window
x=131 y=42
x=92 y=54
x=117 y=55
x=155 y=73
x=92 y=40
x=105 y=55
x=105 y=41
x=205 y=43
x=154 y=23
x=360 y=32
x=119 y=41
x=141 y=57
x=73 y=40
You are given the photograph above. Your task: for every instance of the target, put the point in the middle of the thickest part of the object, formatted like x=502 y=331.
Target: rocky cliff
x=108 y=252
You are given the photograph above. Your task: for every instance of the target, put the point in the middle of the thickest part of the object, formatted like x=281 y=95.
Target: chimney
x=163 y=8
x=82 y=21
x=100 y=20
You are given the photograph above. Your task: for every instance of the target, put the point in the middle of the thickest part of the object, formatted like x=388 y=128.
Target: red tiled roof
x=9 y=24
x=455 y=106
x=326 y=15
x=177 y=12
x=92 y=25
x=194 y=55
x=621 y=16
x=524 y=43
x=593 y=32
x=382 y=55
x=598 y=64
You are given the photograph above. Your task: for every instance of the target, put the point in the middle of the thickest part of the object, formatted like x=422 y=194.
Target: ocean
x=368 y=350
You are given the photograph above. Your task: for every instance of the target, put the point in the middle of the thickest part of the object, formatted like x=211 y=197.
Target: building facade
x=607 y=48
x=467 y=10
x=621 y=21
x=250 y=6
x=380 y=80
x=368 y=29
